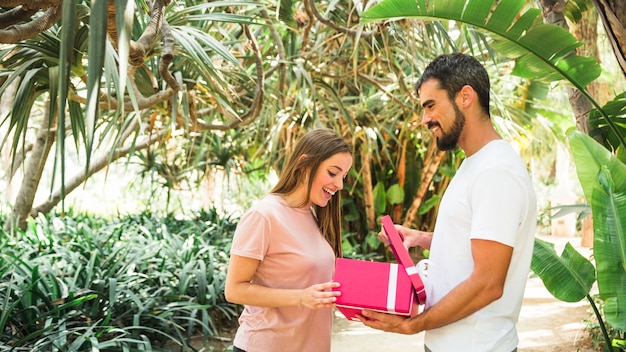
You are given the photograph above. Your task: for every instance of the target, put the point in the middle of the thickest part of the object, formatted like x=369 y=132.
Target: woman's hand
x=318 y=296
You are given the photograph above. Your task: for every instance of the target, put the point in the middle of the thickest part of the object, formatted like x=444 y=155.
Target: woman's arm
x=240 y=290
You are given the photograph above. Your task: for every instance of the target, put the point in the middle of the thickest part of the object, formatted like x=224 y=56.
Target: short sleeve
x=252 y=236
x=498 y=202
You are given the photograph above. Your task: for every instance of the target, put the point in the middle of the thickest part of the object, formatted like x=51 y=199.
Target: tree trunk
x=613 y=16
x=6 y=103
x=32 y=174
x=431 y=164
x=398 y=208
x=368 y=192
x=553 y=14
x=586 y=31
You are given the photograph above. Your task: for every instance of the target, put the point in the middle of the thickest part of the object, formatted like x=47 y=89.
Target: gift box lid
x=403 y=257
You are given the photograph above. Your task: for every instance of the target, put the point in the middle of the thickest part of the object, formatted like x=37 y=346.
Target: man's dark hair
x=453 y=71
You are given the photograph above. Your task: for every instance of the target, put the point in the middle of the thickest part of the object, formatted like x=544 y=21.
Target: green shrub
x=81 y=282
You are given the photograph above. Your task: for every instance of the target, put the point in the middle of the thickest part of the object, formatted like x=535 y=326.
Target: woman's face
x=328 y=179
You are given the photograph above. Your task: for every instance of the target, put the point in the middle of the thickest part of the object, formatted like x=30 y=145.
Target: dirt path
x=545 y=324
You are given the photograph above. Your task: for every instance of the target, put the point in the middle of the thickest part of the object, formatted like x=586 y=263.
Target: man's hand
x=389 y=322
x=410 y=237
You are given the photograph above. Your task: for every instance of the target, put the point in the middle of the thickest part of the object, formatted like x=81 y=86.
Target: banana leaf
x=569 y=277
x=603 y=178
x=541 y=51
x=610 y=244
x=589 y=157
x=615 y=108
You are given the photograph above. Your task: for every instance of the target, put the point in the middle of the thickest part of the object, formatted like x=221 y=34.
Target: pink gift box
x=384 y=287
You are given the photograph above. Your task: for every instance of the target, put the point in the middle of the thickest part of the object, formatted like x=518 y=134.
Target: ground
x=545 y=325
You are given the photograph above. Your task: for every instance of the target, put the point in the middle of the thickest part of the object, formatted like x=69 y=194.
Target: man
x=482 y=244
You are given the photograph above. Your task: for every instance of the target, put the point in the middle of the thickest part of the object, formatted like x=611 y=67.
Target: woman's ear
x=302 y=157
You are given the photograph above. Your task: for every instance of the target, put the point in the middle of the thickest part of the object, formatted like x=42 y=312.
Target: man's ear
x=466 y=95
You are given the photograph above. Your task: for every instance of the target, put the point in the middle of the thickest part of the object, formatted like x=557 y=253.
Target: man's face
x=442 y=116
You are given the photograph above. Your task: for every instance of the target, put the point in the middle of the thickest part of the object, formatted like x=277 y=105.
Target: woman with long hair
x=284 y=249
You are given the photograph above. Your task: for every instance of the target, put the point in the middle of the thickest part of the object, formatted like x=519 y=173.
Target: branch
x=98 y=164
x=257 y=102
x=17 y=33
x=31 y=4
x=309 y=5
x=110 y=103
x=167 y=56
x=431 y=164
x=32 y=172
x=281 y=53
x=139 y=48
x=15 y=15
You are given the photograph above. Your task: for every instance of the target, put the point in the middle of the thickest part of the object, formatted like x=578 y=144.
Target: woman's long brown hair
x=318 y=145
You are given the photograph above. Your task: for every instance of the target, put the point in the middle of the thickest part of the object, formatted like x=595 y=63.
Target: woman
x=284 y=249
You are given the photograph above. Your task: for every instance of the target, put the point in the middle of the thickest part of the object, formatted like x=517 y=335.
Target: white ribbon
x=392 y=288
x=411 y=270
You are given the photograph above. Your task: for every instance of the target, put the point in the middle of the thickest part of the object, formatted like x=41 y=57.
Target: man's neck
x=475 y=137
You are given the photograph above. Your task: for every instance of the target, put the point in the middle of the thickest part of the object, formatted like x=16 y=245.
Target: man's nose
x=425 y=118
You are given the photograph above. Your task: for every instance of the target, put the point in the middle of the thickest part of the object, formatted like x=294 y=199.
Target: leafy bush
x=80 y=282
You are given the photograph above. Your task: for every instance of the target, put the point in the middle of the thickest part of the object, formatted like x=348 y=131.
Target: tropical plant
x=570 y=277
x=79 y=283
x=124 y=91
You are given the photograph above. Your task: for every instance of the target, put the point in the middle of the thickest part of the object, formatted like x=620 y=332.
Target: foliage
x=169 y=92
x=597 y=330
x=82 y=283
x=320 y=68
x=604 y=182
x=568 y=277
x=617 y=110
x=541 y=51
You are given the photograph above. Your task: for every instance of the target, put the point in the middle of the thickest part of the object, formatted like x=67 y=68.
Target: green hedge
x=84 y=283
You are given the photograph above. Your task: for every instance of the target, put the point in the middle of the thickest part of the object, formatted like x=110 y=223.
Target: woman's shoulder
x=268 y=204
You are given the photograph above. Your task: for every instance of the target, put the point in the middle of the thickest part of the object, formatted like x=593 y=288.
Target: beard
x=450 y=139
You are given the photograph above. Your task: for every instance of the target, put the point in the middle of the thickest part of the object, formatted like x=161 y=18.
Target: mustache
x=433 y=124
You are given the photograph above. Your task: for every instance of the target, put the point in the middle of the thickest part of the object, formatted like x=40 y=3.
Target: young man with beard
x=482 y=244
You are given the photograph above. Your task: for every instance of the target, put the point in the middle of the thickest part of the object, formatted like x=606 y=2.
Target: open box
x=384 y=287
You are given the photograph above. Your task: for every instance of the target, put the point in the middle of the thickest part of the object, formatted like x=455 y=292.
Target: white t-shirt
x=293 y=255
x=491 y=197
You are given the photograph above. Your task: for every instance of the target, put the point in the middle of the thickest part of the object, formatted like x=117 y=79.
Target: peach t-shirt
x=293 y=255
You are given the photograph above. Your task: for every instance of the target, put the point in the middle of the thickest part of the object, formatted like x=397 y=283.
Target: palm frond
x=541 y=51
